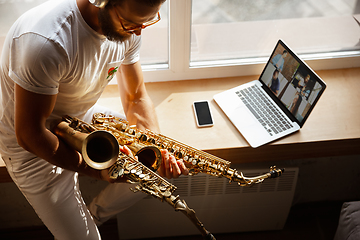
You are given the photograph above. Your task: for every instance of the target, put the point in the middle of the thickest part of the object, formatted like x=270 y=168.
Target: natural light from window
x=221 y=38
x=232 y=29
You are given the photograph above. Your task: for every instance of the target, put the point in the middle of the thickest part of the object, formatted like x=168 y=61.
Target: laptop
x=277 y=104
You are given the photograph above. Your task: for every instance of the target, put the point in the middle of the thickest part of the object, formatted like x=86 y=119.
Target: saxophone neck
x=68 y=134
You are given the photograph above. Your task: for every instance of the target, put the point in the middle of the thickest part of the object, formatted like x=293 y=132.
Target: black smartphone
x=203 y=114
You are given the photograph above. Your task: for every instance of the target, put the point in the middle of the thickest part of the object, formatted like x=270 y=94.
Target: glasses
x=142 y=26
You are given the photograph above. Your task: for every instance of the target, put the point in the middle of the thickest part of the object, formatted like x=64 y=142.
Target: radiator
x=220 y=206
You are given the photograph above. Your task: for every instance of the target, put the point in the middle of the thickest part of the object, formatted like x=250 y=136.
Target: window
x=221 y=38
x=155 y=41
x=10 y=10
x=230 y=29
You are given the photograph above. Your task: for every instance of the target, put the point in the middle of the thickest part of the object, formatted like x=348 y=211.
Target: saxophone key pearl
x=167 y=193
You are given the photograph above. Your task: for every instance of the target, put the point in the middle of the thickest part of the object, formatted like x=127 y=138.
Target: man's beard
x=107 y=27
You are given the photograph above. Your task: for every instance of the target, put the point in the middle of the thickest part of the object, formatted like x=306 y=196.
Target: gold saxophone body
x=196 y=161
x=99 y=142
x=100 y=150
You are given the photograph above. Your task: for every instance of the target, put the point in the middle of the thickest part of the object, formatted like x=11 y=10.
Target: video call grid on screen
x=293 y=82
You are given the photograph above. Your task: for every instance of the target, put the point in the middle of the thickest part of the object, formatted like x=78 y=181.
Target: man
x=275 y=82
x=57 y=60
x=279 y=59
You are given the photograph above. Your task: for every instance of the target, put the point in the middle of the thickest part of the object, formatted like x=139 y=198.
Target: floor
x=311 y=221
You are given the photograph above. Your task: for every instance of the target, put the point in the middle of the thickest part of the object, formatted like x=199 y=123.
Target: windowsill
x=331 y=130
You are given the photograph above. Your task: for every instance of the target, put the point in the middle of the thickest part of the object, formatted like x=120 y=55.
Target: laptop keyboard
x=264 y=110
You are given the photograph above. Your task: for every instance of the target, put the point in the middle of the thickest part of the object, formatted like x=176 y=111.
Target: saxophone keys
x=131 y=131
x=193 y=161
x=167 y=193
x=116 y=172
x=143 y=138
x=151 y=140
x=143 y=175
x=178 y=154
x=171 y=150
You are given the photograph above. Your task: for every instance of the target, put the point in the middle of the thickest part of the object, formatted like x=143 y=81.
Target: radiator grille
x=204 y=185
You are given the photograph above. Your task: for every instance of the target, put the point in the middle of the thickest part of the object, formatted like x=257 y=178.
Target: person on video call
x=303 y=85
x=275 y=82
x=279 y=59
x=56 y=60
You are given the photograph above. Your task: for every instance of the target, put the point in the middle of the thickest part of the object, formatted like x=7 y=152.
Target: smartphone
x=203 y=114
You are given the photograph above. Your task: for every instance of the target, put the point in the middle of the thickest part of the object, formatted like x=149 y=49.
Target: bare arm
x=31 y=112
x=136 y=102
x=140 y=110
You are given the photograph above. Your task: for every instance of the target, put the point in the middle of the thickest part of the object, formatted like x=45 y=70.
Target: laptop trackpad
x=242 y=118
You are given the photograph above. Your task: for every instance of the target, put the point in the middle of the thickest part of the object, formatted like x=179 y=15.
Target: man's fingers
x=184 y=170
x=176 y=172
x=126 y=150
x=170 y=167
x=165 y=160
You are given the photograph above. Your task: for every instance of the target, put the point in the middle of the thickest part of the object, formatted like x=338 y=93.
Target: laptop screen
x=292 y=82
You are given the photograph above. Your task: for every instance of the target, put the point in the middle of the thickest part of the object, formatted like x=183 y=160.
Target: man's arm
x=138 y=107
x=31 y=112
x=140 y=110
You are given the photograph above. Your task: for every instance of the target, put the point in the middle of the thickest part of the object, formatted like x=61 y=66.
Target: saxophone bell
x=99 y=149
x=150 y=156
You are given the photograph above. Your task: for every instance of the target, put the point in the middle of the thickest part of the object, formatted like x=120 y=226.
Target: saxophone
x=195 y=160
x=99 y=142
x=100 y=150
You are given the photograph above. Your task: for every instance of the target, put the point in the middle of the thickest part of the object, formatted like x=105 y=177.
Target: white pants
x=55 y=196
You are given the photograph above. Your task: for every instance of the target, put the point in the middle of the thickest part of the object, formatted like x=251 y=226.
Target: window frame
x=179 y=66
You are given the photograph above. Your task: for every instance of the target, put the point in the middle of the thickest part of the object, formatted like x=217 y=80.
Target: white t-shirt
x=51 y=50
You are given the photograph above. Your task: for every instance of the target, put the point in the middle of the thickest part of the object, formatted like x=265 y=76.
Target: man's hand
x=170 y=167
